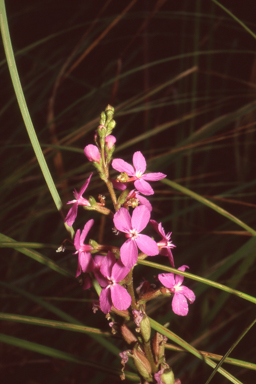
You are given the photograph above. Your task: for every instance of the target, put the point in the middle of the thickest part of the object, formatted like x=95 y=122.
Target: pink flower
x=181 y=293
x=110 y=141
x=132 y=226
x=92 y=153
x=137 y=173
x=165 y=244
x=85 y=261
x=113 y=293
x=79 y=200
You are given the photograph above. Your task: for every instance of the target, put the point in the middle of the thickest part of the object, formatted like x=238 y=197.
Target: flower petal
x=107 y=264
x=71 y=216
x=122 y=220
x=119 y=271
x=86 y=262
x=86 y=229
x=147 y=245
x=85 y=185
x=179 y=304
x=139 y=162
x=167 y=279
x=129 y=253
x=140 y=218
x=188 y=293
x=120 y=297
x=87 y=282
x=105 y=300
x=178 y=278
x=154 y=176
x=122 y=166
x=144 y=201
x=118 y=185
x=77 y=240
x=144 y=187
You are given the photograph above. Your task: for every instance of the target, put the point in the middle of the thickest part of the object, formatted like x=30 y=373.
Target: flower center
x=139 y=174
x=132 y=234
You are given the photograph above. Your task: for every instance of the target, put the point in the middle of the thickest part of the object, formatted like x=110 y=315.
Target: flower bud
x=142 y=364
x=102 y=118
x=102 y=131
x=92 y=153
x=110 y=141
x=110 y=126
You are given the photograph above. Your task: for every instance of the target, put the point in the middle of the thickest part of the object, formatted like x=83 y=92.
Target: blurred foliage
x=182 y=78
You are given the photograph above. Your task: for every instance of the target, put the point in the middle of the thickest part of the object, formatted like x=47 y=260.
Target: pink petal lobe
x=122 y=220
x=154 y=225
x=107 y=264
x=147 y=245
x=188 y=293
x=87 y=282
x=154 y=176
x=144 y=201
x=77 y=240
x=119 y=186
x=129 y=253
x=122 y=166
x=140 y=218
x=86 y=229
x=139 y=162
x=167 y=279
x=71 y=216
x=143 y=187
x=180 y=304
x=119 y=271
x=85 y=185
x=178 y=278
x=86 y=262
x=105 y=300
x=120 y=297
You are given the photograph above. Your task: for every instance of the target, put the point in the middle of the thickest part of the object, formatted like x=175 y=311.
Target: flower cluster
x=111 y=266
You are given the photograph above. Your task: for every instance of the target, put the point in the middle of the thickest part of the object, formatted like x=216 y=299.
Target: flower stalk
x=109 y=268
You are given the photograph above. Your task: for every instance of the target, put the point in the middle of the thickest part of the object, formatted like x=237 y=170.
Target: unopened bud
x=102 y=118
x=109 y=108
x=110 y=141
x=110 y=126
x=102 y=131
